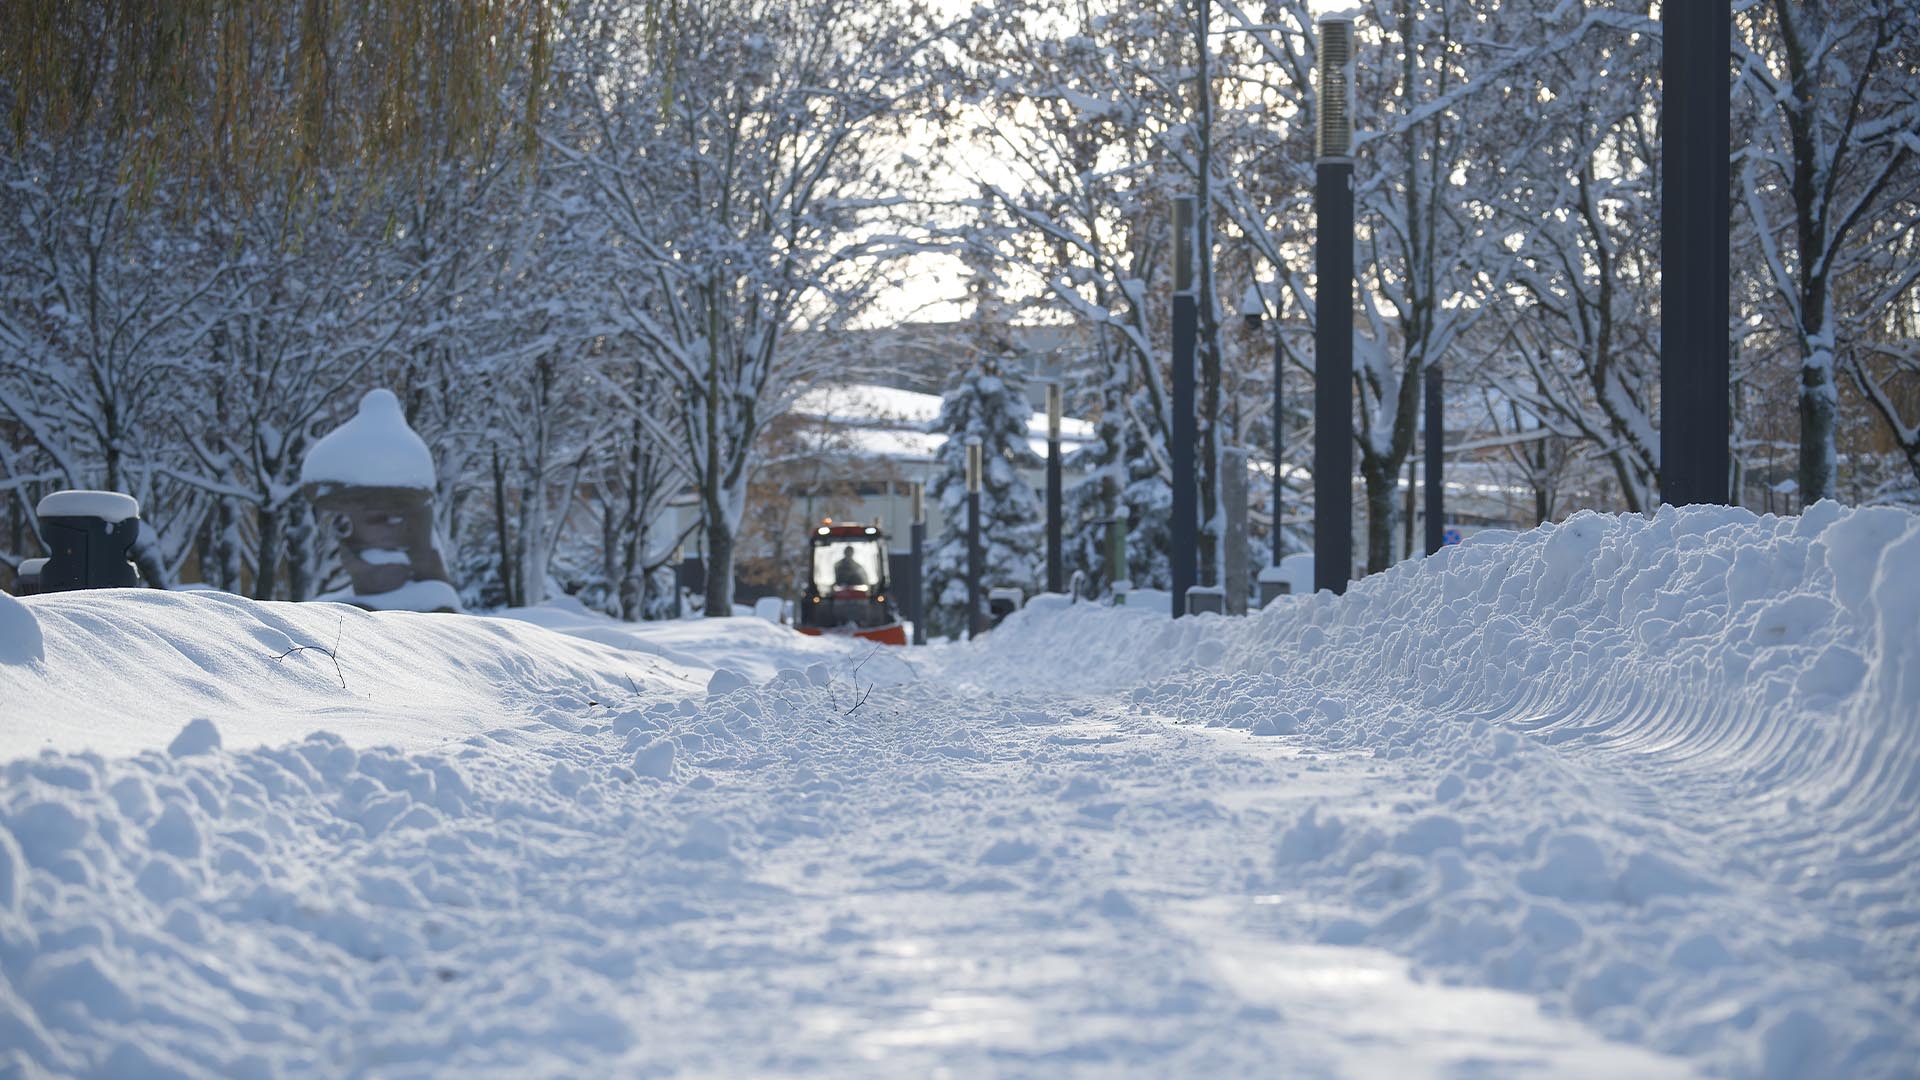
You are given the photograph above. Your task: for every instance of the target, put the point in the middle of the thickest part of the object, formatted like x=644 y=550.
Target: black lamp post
x=1436 y=489
x=1333 y=330
x=1056 y=580
x=975 y=569
x=1183 y=531
x=1695 y=412
x=917 y=597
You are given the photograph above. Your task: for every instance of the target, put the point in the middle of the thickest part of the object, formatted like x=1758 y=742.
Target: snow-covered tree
x=1574 y=196
x=1119 y=469
x=988 y=401
x=1826 y=92
x=744 y=204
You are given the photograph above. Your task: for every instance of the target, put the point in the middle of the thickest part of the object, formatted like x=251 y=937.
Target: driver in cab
x=847 y=572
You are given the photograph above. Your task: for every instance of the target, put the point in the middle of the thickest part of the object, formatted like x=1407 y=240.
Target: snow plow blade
x=891 y=634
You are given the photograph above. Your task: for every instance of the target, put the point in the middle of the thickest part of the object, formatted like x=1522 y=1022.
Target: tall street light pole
x=1055 y=568
x=917 y=598
x=1436 y=447
x=1695 y=414
x=1183 y=541
x=975 y=570
x=1333 y=330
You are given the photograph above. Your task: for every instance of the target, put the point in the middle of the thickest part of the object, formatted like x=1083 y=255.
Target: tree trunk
x=719 y=566
x=300 y=554
x=1410 y=512
x=1819 y=397
x=1380 y=474
x=500 y=521
x=226 y=547
x=267 y=564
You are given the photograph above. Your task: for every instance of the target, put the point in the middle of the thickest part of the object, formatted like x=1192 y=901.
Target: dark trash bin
x=88 y=535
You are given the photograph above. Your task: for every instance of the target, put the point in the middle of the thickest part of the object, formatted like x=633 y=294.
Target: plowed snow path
x=1654 y=781
x=936 y=879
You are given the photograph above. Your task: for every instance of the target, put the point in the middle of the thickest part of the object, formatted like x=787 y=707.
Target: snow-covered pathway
x=936 y=878
x=1521 y=812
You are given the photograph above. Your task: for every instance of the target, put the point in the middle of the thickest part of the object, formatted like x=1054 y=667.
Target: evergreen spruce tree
x=989 y=401
x=1118 y=468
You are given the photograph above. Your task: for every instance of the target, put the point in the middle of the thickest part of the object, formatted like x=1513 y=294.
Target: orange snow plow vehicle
x=847 y=590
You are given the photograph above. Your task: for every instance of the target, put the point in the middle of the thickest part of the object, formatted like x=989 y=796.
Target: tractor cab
x=847 y=590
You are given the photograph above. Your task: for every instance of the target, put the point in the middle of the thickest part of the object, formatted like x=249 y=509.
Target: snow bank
x=429 y=596
x=374 y=449
x=1657 y=776
x=1661 y=772
x=20 y=638
x=120 y=671
x=748 y=644
x=499 y=832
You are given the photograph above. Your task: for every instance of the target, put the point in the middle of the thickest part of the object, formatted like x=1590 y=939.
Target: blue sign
x=1451 y=536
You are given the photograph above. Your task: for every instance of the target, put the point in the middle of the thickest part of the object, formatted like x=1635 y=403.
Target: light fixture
x=1334 y=138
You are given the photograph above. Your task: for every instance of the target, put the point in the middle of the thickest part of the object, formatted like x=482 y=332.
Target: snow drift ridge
x=1729 y=703
x=1777 y=650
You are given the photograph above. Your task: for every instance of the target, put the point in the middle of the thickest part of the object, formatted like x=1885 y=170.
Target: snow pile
x=1662 y=773
x=20 y=638
x=374 y=449
x=424 y=596
x=1645 y=780
x=123 y=670
x=508 y=888
x=751 y=645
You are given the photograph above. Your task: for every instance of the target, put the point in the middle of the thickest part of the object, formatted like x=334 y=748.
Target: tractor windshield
x=846 y=566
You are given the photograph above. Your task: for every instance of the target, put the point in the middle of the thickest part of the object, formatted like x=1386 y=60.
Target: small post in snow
x=1183 y=541
x=1436 y=448
x=1696 y=415
x=974 y=569
x=917 y=593
x=1056 y=577
x=1333 y=317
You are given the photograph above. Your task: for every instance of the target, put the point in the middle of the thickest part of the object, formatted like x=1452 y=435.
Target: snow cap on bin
x=109 y=506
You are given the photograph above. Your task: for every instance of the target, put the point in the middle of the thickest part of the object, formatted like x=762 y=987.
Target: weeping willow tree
x=249 y=94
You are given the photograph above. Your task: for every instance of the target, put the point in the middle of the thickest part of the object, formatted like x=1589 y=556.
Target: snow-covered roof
x=870 y=405
x=374 y=449
x=866 y=403
x=887 y=422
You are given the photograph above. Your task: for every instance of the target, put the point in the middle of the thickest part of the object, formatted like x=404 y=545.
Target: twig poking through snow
x=862 y=701
x=332 y=654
